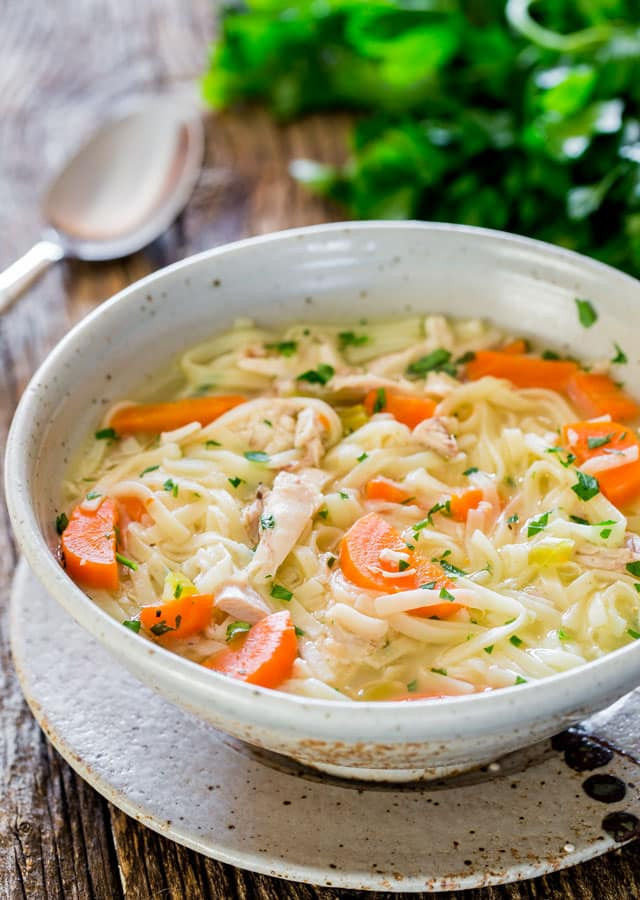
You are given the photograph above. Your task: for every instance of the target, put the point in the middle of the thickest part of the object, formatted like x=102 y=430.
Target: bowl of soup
x=366 y=495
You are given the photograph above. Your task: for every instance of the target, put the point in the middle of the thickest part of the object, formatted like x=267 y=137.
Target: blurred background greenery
x=523 y=116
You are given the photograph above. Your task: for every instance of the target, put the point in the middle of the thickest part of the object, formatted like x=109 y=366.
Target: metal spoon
x=118 y=193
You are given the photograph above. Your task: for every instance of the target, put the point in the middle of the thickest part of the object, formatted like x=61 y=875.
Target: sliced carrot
x=360 y=554
x=265 y=656
x=380 y=488
x=406 y=408
x=599 y=395
x=157 y=417
x=431 y=573
x=461 y=504
x=515 y=348
x=131 y=509
x=178 y=618
x=89 y=545
x=620 y=485
x=523 y=371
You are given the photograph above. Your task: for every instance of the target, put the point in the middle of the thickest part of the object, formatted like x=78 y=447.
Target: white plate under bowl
x=259 y=811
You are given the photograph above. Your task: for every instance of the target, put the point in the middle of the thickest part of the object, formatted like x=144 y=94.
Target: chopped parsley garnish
x=202 y=389
x=148 y=469
x=579 y=520
x=412 y=686
x=125 y=561
x=281 y=593
x=212 y=444
x=284 y=348
x=586 y=487
x=538 y=524
x=444 y=508
x=513 y=519
x=403 y=565
x=471 y=470
x=61 y=522
x=93 y=495
x=343 y=495
x=267 y=521
x=520 y=680
x=362 y=457
x=299 y=632
x=604 y=534
x=132 y=625
x=437 y=361
x=621 y=357
x=171 y=487
x=178 y=591
x=510 y=621
x=586 y=313
x=562 y=635
x=446 y=595
x=267 y=422
x=235 y=482
x=633 y=568
x=106 y=434
x=350 y=339
x=515 y=640
x=258 y=456
x=594 y=442
x=381 y=400
x=236 y=628
x=429 y=586
x=447 y=566
x=439 y=671
x=320 y=375
x=550 y=354
x=634 y=634
x=488 y=649
x=331 y=561
x=407 y=501
x=563 y=462
x=162 y=628
x=323 y=513
x=467 y=357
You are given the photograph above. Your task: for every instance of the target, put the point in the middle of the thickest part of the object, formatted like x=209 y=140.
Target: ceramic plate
x=527 y=815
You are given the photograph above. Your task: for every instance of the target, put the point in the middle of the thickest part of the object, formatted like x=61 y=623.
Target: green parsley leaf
x=488 y=649
x=471 y=470
x=563 y=462
x=595 y=442
x=513 y=519
x=267 y=521
x=299 y=632
x=536 y=525
x=61 y=522
x=587 y=486
x=171 y=487
x=467 y=357
x=429 y=586
x=258 y=456
x=349 y=339
x=323 y=513
x=321 y=375
x=634 y=634
x=162 y=628
x=235 y=481
x=579 y=520
x=281 y=593
x=284 y=348
x=520 y=680
x=562 y=635
x=343 y=495
x=412 y=686
x=202 y=389
x=604 y=534
x=132 y=625
x=633 y=568
x=550 y=354
x=362 y=457
x=437 y=361
x=331 y=561
x=212 y=444
x=178 y=591
x=267 y=422
x=586 y=313
x=236 y=628
x=621 y=357
x=125 y=561
x=148 y=469
x=93 y=495
x=439 y=671
x=403 y=565
x=450 y=568
x=515 y=640
x=446 y=595
x=106 y=434
x=381 y=400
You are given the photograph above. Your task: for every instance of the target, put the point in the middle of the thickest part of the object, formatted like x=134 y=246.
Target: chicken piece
x=308 y=437
x=288 y=509
x=251 y=514
x=611 y=558
x=434 y=435
x=241 y=602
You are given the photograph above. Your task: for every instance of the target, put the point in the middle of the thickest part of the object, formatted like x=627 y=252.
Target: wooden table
x=64 y=66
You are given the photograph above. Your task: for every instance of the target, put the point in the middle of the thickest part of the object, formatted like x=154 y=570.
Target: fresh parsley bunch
x=523 y=116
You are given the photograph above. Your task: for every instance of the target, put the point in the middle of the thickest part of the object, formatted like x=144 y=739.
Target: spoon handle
x=19 y=275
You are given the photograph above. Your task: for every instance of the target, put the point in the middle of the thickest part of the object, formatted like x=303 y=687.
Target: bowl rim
x=229 y=695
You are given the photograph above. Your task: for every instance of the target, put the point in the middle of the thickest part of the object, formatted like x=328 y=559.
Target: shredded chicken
x=434 y=434
x=242 y=602
x=611 y=558
x=250 y=515
x=288 y=509
x=308 y=437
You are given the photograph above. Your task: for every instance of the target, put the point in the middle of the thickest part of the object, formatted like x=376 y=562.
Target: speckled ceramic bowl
x=328 y=272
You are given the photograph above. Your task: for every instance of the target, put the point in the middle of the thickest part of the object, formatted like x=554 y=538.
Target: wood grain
x=64 y=67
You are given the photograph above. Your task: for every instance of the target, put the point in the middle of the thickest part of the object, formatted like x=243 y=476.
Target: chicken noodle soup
x=386 y=511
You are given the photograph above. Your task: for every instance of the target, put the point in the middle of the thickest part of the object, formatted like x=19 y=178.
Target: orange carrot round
x=514 y=348
x=406 y=408
x=522 y=371
x=265 y=656
x=360 y=554
x=621 y=484
x=380 y=488
x=89 y=545
x=428 y=572
x=461 y=504
x=599 y=395
x=178 y=618
x=156 y=417
x=131 y=509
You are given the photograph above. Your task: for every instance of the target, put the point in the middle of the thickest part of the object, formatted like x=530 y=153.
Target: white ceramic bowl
x=328 y=272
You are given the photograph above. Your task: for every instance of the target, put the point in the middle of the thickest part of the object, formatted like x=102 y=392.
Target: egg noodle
x=531 y=566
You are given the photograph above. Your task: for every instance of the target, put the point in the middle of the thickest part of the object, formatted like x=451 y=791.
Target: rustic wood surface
x=64 y=66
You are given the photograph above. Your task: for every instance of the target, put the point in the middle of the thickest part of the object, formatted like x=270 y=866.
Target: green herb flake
x=236 y=628
x=132 y=625
x=362 y=457
x=268 y=422
x=437 y=361
x=235 y=481
x=148 y=469
x=439 y=671
x=343 y=495
x=257 y=456
x=161 y=628
x=634 y=634
x=586 y=487
x=633 y=568
x=284 y=348
x=403 y=565
x=467 y=357
x=471 y=470
x=321 y=375
x=93 y=495
x=412 y=687
x=323 y=513
x=566 y=462
x=267 y=521
x=488 y=649
x=350 y=339
x=594 y=442
x=178 y=591
x=538 y=524
x=299 y=632
x=520 y=680
x=212 y=444
x=562 y=635
x=171 y=487
x=515 y=640
x=331 y=561
x=446 y=595
x=449 y=568
x=429 y=586
x=125 y=561
x=106 y=434
x=62 y=521
x=513 y=519
x=604 y=534
x=550 y=354
x=621 y=357
x=579 y=520
x=586 y=313
x=381 y=400
x=202 y=389
x=280 y=593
